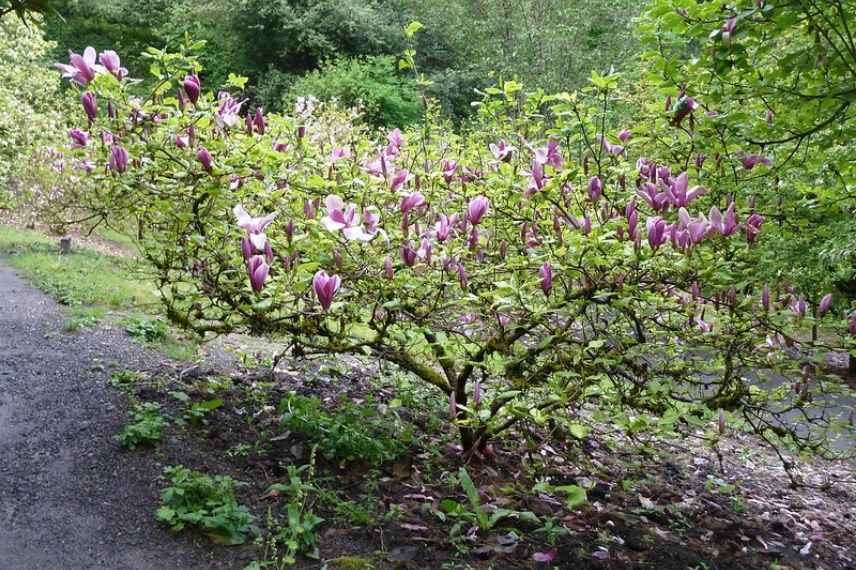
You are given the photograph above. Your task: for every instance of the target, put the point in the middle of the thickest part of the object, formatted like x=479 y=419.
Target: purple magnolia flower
x=395 y=138
x=79 y=139
x=339 y=153
x=609 y=148
x=192 y=87
x=258 y=270
x=251 y=224
x=656 y=200
x=118 y=160
x=204 y=157
x=110 y=60
x=463 y=278
x=449 y=168
x=477 y=208
x=346 y=219
x=656 y=227
x=765 y=297
x=753 y=226
x=537 y=179
x=726 y=225
x=624 y=135
x=82 y=68
x=181 y=141
x=90 y=105
x=227 y=114
x=798 y=306
x=750 y=161
x=408 y=254
x=443 y=228
x=325 y=287
x=595 y=188
x=502 y=150
x=825 y=304
x=399 y=179
x=728 y=29
x=259 y=121
x=387 y=267
x=546 y=273
x=410 y=201
x=677 y=191
x=550 y=155
x=684 y=107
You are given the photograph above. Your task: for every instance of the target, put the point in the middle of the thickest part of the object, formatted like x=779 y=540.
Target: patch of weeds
x=474 y=513
x=126 y=378
x=194 y=499
x=196 y=414
x=351 y=433
x=146 y=429
x=352 y=513
x=552 y=530
x=146 y=329
x=296 y=535
x=75 y=324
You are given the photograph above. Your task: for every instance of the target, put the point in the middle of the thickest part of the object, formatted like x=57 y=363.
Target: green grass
x=85 y=280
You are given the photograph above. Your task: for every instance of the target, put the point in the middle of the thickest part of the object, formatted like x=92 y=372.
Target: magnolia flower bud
x=90 y=105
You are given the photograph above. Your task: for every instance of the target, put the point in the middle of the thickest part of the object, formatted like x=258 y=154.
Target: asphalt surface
x=70 y=497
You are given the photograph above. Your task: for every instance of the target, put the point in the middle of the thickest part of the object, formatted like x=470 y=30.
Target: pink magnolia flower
x=609 y=148
x=387 y=267
x=408 y=254
x=546 y=273
x=82 y=68
x=118 y=160
x=550 y=155
x=443 y=228
x=204 y=157
x=79 y=139
x=325 y=288
x=258 y=270
x=656 y=227
x=753 y=226
x=192 y=87
x=752 y=160
x=798 y=306
x=338 y=154
x=110 y=60
x=726 y=225
x=656 y=200
x=684 y=107
x=395 y=139
x=399 y=179
x=90 y=105
x=259 y=121
x=251 y=224
x=476 y=209
x=825 y=304
x=502 y=150
x=595 y=188
x=228 y=110
x=410 y=201
x=677 y=191
x=765 y=297
x=624 y=135
x=449 y=168
x=346 y=219
x=537 y=179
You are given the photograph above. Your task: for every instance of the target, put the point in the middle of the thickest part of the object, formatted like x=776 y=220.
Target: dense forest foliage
x=550 y=44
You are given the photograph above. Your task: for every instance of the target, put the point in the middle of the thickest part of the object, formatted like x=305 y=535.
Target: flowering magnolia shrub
x=533 y=266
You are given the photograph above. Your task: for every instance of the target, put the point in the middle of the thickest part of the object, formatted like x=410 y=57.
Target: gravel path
x=70 y=497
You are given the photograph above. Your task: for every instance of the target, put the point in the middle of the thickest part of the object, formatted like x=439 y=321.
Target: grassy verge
x=90 y=284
